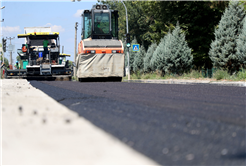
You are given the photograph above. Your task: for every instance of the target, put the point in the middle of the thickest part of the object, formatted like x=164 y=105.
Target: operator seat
x=53 y=45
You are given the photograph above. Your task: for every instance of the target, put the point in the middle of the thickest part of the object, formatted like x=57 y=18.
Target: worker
x=98 y=29
x=45 y=45
x=24 y=47
x=17 y=65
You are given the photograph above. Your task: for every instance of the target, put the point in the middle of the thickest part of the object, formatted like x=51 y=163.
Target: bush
x=146 y=76
x=221 y=74
x=241 y=75
x=136 y=75
x=194 y=74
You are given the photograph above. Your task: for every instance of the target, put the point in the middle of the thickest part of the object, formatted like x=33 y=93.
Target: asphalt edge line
x=190 y=82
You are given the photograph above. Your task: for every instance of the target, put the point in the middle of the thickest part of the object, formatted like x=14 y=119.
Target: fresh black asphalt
x=171 y=124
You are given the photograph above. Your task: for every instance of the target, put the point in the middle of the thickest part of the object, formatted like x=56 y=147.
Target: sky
x=60 y=15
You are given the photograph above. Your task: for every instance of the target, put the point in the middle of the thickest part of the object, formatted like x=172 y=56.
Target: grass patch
x=242 y=75
x=221 y=74
x=138 y=75
x=236 y=76
x=194 y=74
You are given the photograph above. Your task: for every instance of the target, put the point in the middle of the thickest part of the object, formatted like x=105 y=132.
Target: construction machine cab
x=34 y=47
x=100 y=23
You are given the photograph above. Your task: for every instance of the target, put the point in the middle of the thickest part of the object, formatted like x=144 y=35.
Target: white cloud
x=55 y=28
x=78 y=13
x=10 y=30
x=48 y=25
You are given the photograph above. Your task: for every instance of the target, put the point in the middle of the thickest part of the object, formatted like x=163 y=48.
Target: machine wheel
x=115 y=79
x=120 y=79
x=101 y=79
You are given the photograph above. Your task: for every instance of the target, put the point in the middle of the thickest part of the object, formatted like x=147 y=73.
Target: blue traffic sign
x=135 y=47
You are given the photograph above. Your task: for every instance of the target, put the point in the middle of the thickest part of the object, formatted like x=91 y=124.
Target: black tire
x=114 y=79
x=101 y=79
x=119 y=79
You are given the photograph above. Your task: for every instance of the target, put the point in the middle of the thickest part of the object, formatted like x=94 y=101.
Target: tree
x=157 y=55
x=243 y=3
x=223 y=48
x=148 y=57
x=176 y=56
x=197 y=20
x=163 y=52
x=138 y=64
x=18 y=58
x=150 y=21
x=241 y=45
x=6 y=61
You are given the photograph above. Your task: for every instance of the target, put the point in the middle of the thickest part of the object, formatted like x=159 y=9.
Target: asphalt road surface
x=171 y=124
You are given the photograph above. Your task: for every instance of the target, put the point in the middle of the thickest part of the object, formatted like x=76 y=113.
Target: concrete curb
x=37 y=130
x=177 y=81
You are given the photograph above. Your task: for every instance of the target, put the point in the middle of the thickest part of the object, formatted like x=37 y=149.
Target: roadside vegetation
x=185 y=39
x=6 y=62
x=218 y=75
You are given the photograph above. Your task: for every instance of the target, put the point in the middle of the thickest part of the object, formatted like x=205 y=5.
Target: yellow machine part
x=37 y=34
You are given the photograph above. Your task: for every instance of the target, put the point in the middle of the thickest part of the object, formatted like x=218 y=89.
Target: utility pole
x=75 y=49
x=10 y=54
x=127 y=32
x=2 y=45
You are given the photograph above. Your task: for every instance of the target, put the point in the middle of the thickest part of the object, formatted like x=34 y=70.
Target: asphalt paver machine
x=38 y=65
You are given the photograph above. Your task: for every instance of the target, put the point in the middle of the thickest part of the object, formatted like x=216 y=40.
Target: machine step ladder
x=45 y=69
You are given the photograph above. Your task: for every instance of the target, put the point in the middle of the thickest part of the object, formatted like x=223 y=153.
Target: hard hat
x=16 y=61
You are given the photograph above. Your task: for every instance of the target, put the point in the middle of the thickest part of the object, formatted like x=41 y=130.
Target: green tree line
x=150 y=21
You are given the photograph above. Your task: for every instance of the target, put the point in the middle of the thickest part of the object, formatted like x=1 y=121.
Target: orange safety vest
x=24 y=49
